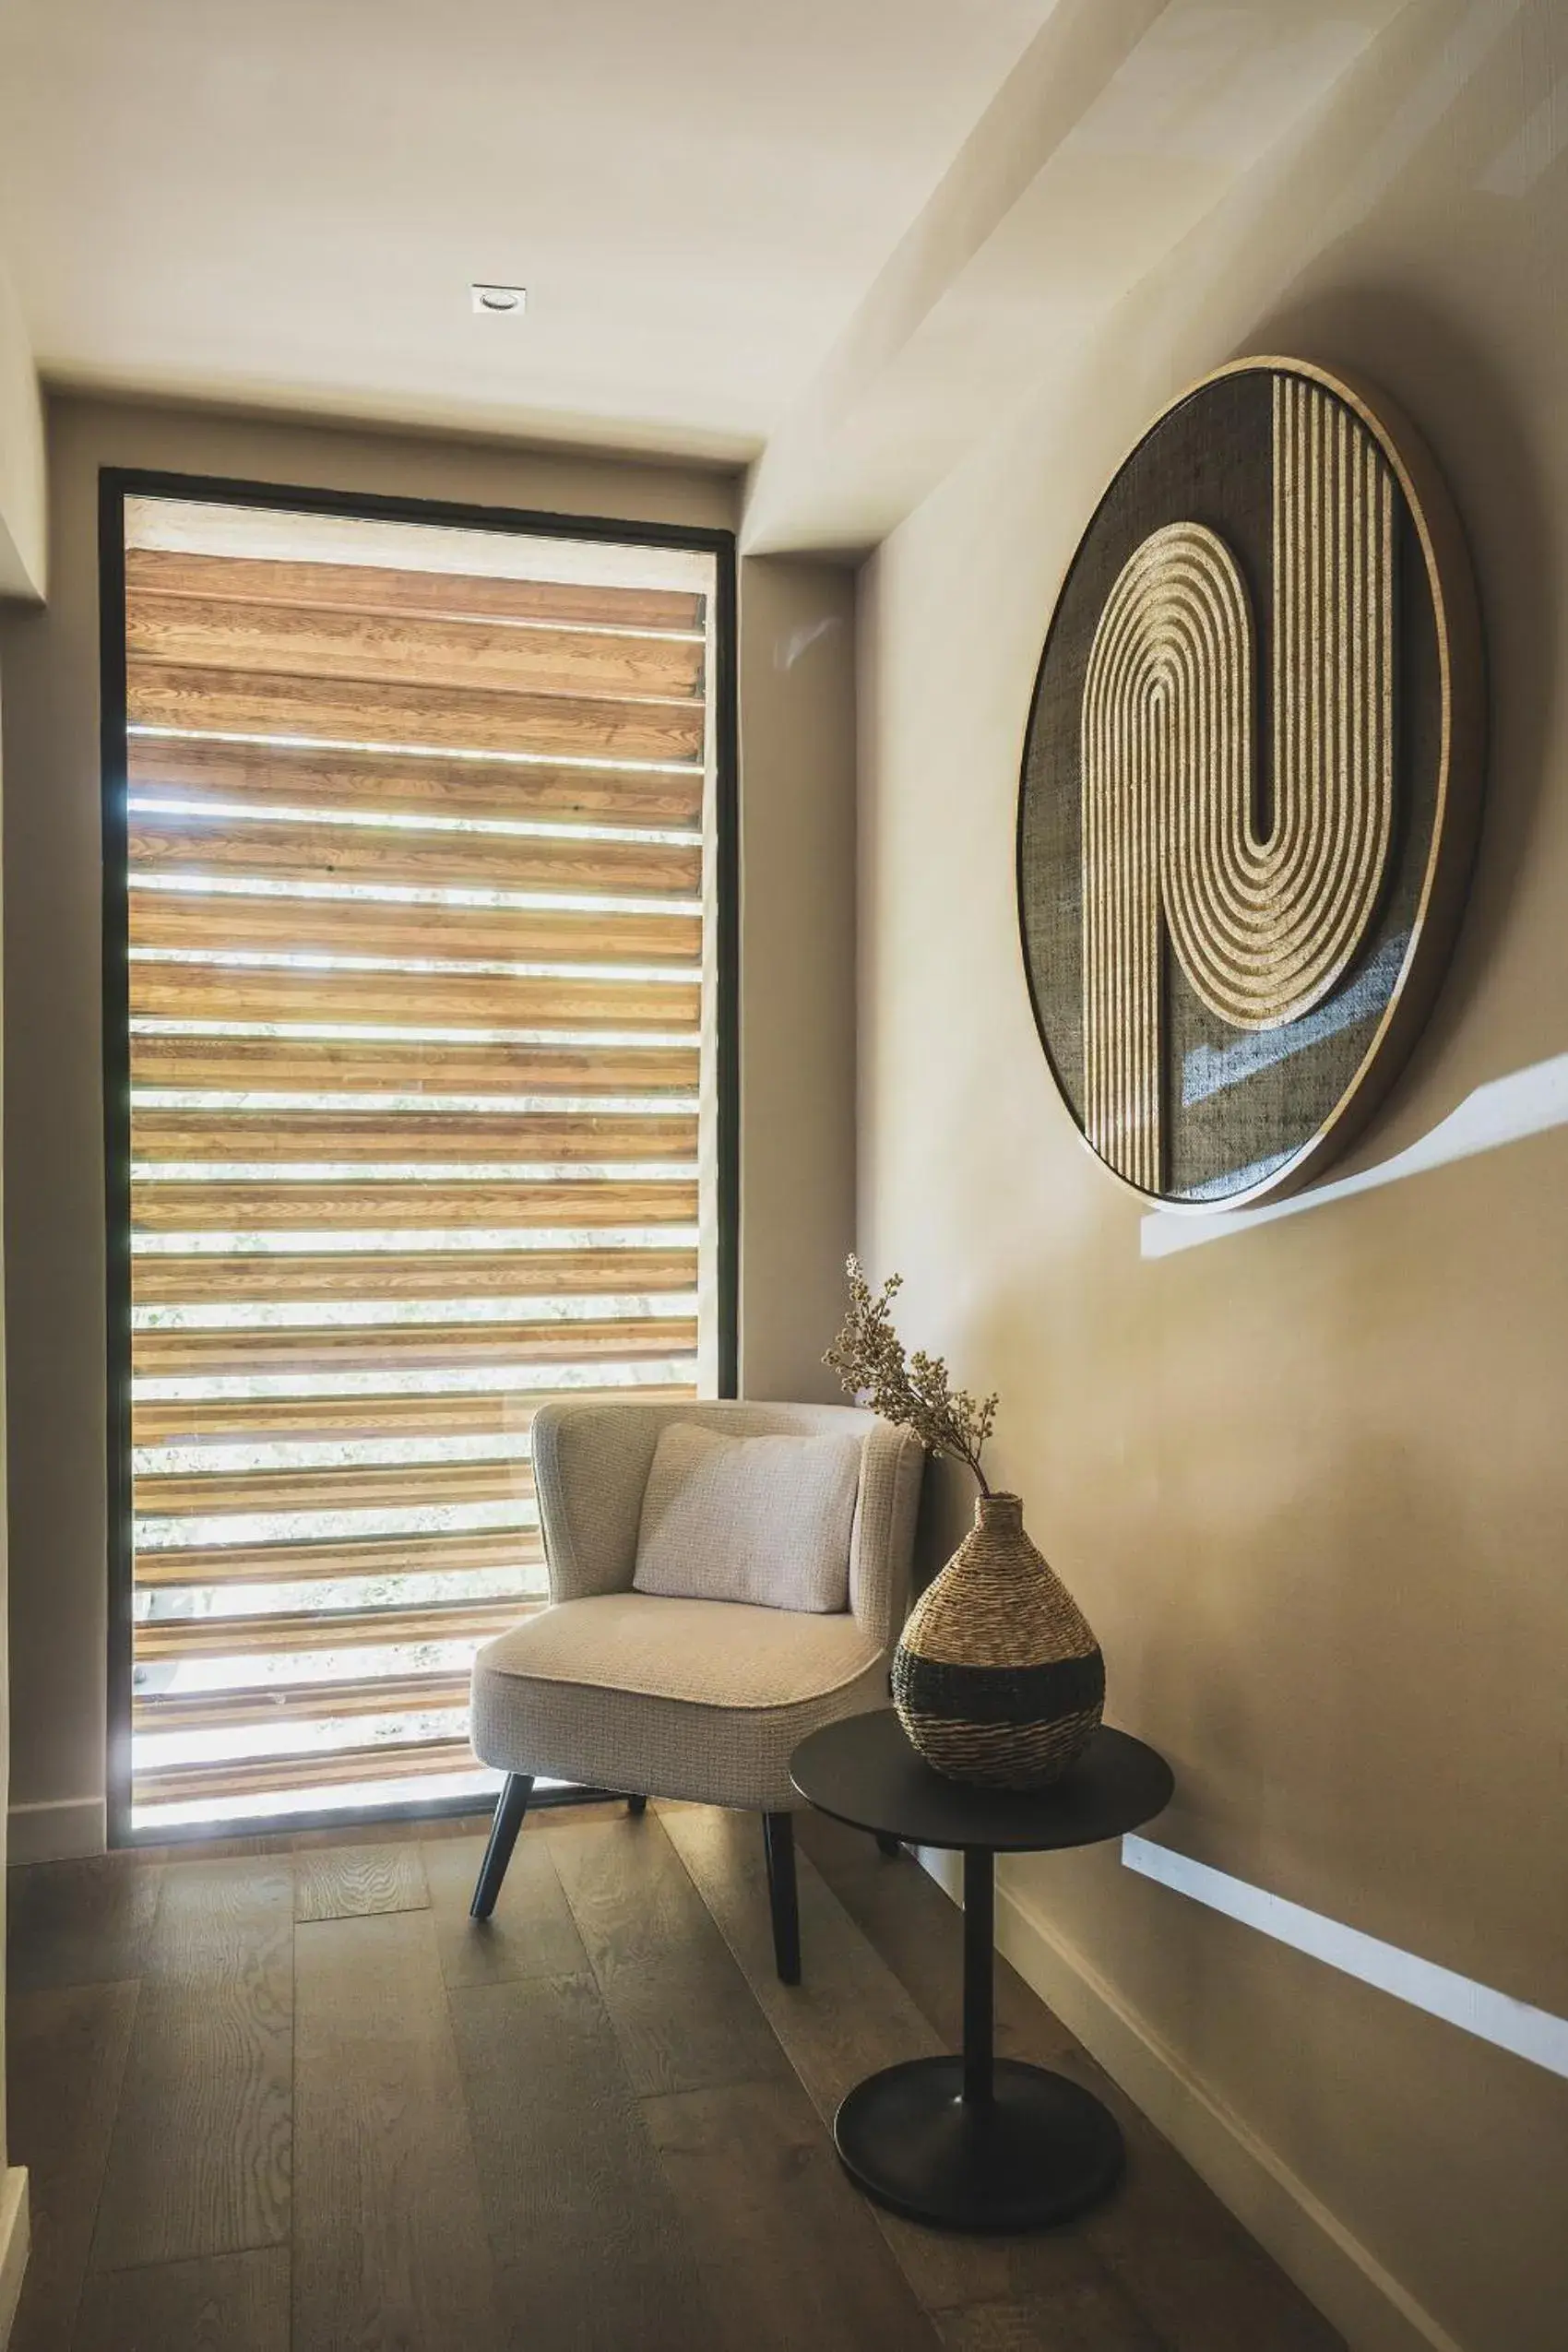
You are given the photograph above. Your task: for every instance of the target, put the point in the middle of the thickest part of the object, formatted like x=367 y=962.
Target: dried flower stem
x=913 y=1392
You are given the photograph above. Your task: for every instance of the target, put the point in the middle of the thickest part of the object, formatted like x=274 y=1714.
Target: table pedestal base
x=1037 y=2151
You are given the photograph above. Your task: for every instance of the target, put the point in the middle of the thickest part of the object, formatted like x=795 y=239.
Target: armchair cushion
x=590 y=1467
x=675 y=1698
x=759 y=1521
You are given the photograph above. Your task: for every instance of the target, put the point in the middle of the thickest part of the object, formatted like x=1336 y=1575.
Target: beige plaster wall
x=797 y=863
x=797 y=693
x=1310 y=1482
x=13 y=2200
x=23 y=521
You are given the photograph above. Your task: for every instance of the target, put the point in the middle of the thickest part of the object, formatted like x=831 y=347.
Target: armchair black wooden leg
x=778 y=1838
x=510 y=1807
x=891 y=1847
x=637 y=1807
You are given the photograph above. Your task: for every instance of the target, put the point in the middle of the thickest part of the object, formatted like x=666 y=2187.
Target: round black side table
x=977 y=2142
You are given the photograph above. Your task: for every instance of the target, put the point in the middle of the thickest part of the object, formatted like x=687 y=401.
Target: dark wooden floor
x=289 y=2097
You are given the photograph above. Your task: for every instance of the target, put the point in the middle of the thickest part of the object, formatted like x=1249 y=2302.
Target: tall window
x=415 y=848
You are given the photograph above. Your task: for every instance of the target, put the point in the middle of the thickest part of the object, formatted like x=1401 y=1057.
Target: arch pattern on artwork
x=1266 y=907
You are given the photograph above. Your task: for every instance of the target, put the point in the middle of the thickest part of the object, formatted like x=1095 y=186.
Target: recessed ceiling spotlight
x=499 y=302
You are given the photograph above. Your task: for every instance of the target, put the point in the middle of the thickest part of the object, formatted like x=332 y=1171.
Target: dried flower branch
x=913 y=1392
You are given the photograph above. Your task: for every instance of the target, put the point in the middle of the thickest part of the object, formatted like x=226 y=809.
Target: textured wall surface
x=1309 y=1482
x=798 y=969
x=24 y=556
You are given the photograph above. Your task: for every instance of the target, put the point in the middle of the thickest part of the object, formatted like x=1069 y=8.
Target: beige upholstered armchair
x=699 y=1698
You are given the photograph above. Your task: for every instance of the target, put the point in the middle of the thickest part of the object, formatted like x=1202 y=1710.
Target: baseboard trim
x=1349 y=2285
x=60 y=1829
x=14 y=2240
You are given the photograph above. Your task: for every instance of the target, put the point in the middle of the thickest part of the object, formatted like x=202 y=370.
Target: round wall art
x=1250 y=784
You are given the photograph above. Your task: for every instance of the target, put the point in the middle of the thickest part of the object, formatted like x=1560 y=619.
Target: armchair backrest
x=591 y=1463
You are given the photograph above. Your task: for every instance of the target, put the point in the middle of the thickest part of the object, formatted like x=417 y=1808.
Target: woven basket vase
x=997 y=1678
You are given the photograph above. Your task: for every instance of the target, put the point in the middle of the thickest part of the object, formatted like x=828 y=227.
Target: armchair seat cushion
x=670 y=1698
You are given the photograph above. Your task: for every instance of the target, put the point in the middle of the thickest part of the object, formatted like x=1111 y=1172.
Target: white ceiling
x=284 y=203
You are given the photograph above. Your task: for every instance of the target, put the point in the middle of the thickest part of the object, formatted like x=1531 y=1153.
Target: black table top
x=863 y=1771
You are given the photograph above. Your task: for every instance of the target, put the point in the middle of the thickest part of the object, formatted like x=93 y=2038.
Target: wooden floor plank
x=1090 y=2315
x=1166 y=2242
x=681 y=2007
x=849 y=2013
x=78 y=1923
x=849 y=2017
x=1201 y=2283
x=347 y=1882
x=203 y=1850
x=65 y=2059
x=391 y=1832
x=199 y=2161
x=531 y=1931
x=226 y=2303
x=918 y=1931
x=791 y=2252
x=506 y=2135
x=389 y=2242
x=592 y=2253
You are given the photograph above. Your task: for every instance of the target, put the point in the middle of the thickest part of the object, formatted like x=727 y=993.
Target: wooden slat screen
x=417 y=950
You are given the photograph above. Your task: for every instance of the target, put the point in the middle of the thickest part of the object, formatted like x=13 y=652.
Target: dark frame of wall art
x=1251 y=785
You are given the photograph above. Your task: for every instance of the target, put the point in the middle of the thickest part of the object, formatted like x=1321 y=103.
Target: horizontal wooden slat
x=225 y=922
x=341 y=1065
x=277 y=1703
x=466 y=1412
x=406 y=1347
x=376 y=587
x=389 y=784
x=283 y=1631
x=496 y=699
x=181 y=1207
x=454 y=1137
x=316 y=641
x=282 y=850
x=387 y=1760
x=206 y=1278
x=411 y=1000
x=214 y=702
x=455 y=1554
x=399 y=1486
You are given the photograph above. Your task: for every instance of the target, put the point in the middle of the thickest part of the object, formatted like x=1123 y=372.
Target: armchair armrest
x=882 y=1545
x=591 y=1466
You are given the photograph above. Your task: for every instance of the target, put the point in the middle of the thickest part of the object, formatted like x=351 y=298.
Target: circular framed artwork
x=1251 y=784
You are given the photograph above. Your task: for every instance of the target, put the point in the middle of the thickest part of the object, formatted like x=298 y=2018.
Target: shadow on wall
x=1504 y=1111
x=947 y=1510
x=1467 y=414
x=1441 y=101
x=1464 y=407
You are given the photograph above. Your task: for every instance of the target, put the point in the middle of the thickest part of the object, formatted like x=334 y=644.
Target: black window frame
x=117 y=484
